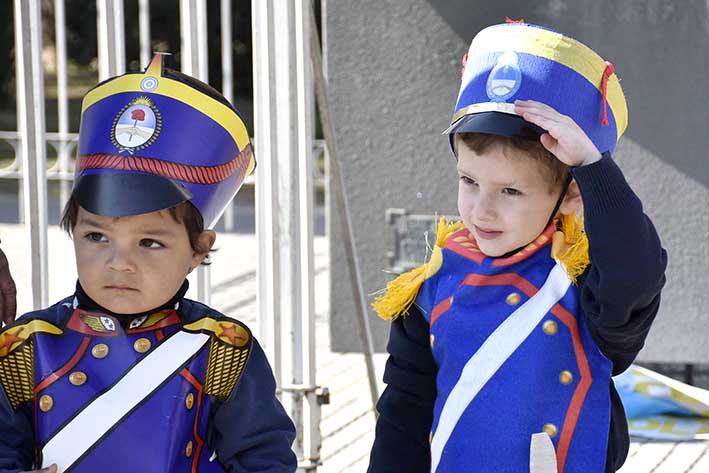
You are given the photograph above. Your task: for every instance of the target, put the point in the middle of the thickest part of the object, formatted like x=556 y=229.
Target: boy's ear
x=572 y=199
x=206 y=240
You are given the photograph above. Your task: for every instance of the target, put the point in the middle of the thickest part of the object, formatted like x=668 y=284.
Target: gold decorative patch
x=17 y=374
x=225 y=365
x=99 y=324
x=228 y=352
x=14 y=336
x=155 y=318
x=232 y=333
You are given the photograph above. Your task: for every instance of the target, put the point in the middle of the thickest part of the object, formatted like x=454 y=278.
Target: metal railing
x=284 y=182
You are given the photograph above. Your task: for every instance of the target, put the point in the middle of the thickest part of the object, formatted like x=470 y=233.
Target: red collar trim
x=103 y=325
x=463 y=243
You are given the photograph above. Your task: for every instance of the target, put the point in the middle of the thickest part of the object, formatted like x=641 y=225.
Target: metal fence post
x=283 y=112
x=30 y=119
x=269 y=290
x=193 y=26
x=111 y=39
x=144 y=32
x=227 y=85
x=63 y=155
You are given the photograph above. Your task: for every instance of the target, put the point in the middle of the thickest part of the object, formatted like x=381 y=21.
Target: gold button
x=513 y=299
x=142 y=345
x=189 y=401
x=550 y=327
x=550 y=429
x=566 y=377
x=430 y=437
x=46 y=403
x=77 y=378
x=100 y=351
x=188 y=449
x=432 y=338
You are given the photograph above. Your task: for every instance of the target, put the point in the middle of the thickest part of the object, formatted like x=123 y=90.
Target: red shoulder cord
x=610 y=70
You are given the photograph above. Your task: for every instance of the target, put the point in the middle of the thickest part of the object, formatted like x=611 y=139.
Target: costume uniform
x=497 y=350
x=181 y=387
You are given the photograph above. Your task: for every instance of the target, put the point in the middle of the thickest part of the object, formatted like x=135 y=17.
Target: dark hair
x=184 y=213
x=557 y=171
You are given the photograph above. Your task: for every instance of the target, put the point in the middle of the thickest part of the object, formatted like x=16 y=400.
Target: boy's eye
x=511 y=191
x=150 y=243
x=468 y=181
x=95 y=236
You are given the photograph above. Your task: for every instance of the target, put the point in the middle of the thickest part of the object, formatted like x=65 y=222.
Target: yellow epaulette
x=401 y=293
x=570 y=246
x=228 y=352
x=17 y=359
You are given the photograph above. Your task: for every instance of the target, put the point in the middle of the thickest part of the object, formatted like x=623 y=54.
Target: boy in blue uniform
x=127 y=374
x=503 y=345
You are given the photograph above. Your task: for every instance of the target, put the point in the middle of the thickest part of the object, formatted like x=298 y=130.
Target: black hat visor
x=120 y=194
x=495 y=123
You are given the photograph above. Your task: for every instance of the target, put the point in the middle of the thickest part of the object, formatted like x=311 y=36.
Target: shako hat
x=149 y=141
x=520 y=61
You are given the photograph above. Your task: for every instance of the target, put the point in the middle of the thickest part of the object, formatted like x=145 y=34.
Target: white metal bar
x=111 y=39
x=30 y=119
x=304 y=346
x=144 y=32
x=227 y=85
x=267 y=231
x=193 y=26
x=285 y=157
x=63 y=146
x=227 y=62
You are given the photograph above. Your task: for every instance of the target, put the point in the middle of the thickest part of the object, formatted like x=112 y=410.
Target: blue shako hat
x=519 y=61
x=149 y=141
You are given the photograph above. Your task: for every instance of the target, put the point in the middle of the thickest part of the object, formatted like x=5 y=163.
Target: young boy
x=501 y=360
x=127 y=375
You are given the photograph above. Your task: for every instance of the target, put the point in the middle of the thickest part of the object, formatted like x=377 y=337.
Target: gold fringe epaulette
x=401 y=293
x=17 y=359
x=228 y=352
x=570 y=246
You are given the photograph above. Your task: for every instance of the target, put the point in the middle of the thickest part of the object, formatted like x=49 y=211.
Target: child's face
x=504 y=198
x=133 y=264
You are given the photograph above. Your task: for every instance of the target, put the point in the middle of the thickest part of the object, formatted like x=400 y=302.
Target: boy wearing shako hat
x=503 y=345
x=127 y=374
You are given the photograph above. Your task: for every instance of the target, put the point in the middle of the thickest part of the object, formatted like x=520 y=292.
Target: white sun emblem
x=505 y=78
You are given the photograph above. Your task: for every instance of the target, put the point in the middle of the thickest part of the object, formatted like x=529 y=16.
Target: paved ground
x=348 y=422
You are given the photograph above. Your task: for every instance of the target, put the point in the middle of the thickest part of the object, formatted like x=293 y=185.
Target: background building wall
x=394 y=72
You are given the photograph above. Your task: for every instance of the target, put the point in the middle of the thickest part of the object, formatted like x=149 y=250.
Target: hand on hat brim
x=564 y=138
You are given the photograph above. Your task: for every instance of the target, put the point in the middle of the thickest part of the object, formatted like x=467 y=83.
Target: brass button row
x=100 y=351
x=513 y=299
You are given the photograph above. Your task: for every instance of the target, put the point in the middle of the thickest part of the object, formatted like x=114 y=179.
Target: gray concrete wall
x=394 y=69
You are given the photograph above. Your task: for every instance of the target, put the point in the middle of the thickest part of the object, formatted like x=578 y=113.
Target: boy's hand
x=564 y=138
x=49 y=469
x=8 y=292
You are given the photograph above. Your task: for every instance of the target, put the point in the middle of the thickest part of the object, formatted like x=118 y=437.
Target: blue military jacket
x=514 y=358
x=174 y=390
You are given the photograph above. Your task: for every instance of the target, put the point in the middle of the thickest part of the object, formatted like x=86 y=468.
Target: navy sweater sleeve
x=405 y=408
x=16 y=438
x=620 y=292
x=251 y=431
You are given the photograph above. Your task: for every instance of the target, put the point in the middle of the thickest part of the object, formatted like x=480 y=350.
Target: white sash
x=97 y=418
x=493 y=353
